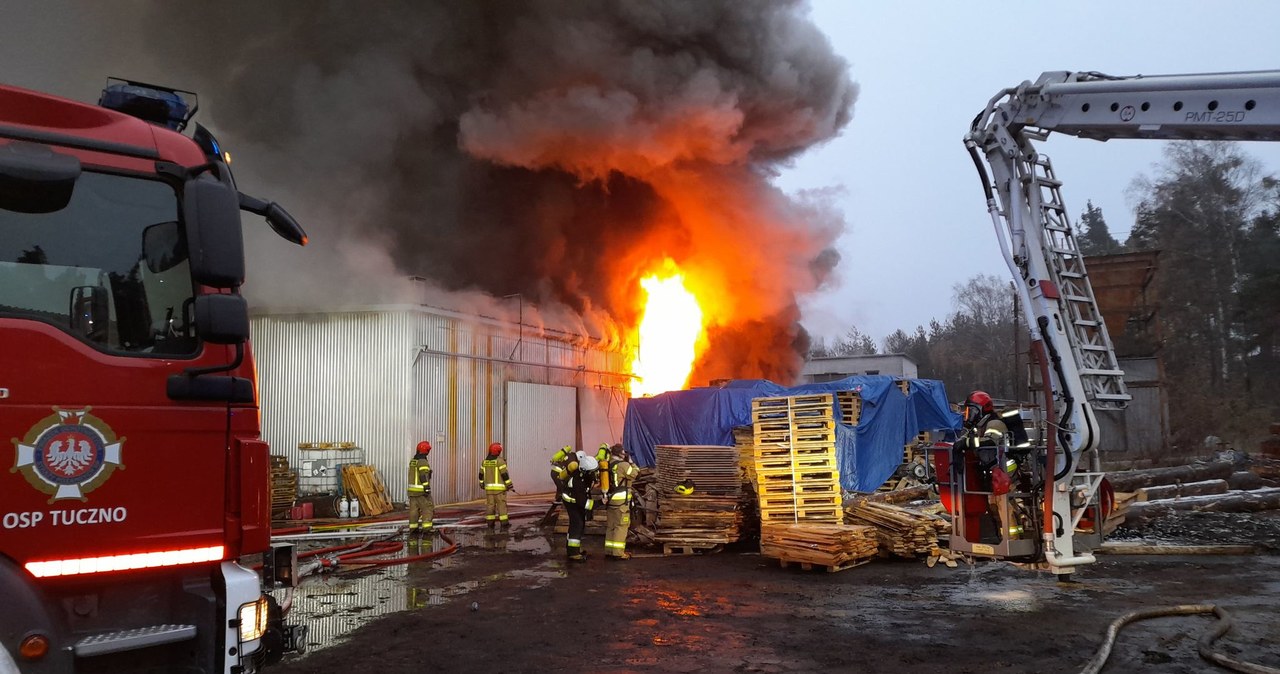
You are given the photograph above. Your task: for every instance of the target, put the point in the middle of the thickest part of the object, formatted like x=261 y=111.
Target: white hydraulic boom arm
x=1078 y=362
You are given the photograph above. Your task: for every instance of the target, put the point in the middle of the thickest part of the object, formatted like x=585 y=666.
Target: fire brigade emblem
x=68 y=454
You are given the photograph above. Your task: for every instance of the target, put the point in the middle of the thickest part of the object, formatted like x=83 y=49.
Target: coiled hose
x=1204 y=645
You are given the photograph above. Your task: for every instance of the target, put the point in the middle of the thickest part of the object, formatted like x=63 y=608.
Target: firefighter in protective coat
x=615 y=483
x=986 y=431
x=496 y=482
x=559 y=460
x=421 y=510
x=579 y=477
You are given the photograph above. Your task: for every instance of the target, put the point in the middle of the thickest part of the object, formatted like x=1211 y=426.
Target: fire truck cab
x=136 y=478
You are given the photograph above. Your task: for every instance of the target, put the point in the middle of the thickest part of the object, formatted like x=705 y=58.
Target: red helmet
x=977 y=404
x=495 y=448
x=424 y=447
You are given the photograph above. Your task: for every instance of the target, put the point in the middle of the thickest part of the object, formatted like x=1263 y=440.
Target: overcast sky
x=917 y=219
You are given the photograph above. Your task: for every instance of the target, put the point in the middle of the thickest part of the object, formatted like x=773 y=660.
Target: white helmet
x=588 y=463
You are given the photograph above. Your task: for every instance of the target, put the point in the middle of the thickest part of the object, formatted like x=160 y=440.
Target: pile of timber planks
x=797 y=479
x=709 y=517
x=284 y=484
x=834 y=547
x=902 y=532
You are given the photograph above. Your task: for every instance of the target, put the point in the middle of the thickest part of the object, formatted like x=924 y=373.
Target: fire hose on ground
x=1204 y=645
x=361 y=556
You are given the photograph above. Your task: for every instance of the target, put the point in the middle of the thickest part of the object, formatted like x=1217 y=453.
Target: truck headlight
x=253 y=620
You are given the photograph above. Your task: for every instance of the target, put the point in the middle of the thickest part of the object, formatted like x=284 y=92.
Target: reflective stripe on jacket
x=493 y=475
x=419 y=475
x=623 y=473
x=578 y=490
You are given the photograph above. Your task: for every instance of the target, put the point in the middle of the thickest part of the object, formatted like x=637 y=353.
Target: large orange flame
x=671 y=332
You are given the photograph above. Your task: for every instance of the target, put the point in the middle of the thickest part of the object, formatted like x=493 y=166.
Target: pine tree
x=1094 y=237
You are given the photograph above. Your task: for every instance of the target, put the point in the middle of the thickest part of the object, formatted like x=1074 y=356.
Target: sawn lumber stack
x=902 y=532
x=835 y=546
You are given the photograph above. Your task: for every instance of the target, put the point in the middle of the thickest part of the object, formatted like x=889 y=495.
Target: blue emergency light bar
x=171 y=108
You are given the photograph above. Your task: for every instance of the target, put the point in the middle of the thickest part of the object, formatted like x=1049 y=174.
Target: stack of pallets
x=795 y=459
x=833 y=547
x=798 y=483
x=710 y=516
x=850 y=407
x=284 y=485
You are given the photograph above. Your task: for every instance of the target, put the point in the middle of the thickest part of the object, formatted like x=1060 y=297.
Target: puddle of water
x=334 y=605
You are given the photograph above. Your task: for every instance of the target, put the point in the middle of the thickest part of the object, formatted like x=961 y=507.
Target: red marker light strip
x=142 y=560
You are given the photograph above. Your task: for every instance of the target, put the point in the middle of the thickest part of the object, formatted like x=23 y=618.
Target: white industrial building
x=818 y=370
x=387 y=377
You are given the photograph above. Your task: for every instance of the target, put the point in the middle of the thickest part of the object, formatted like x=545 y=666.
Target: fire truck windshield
x=110 y=268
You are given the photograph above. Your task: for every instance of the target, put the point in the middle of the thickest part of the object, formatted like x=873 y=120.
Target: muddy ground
x=510 y=603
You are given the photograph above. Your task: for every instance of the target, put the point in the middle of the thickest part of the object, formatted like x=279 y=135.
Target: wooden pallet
x=768 y=480
x=811 y=413
x=803 y=487
x=789 y=425
x=806 y=400
x=813 y=436
x=776 y=450
x=691 y=548
x=284 y=484
x=326 y=445
x=796 y=463
x=829 y=515
x=793 y=501
x=829 y=568
x=366 y=485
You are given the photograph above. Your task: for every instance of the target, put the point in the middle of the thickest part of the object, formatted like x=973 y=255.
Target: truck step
x=128 y=640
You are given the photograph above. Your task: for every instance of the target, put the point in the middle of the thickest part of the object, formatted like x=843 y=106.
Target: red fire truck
x=136 y=479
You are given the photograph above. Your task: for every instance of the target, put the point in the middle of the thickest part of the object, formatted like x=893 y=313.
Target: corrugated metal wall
x=540 y=419
x=389 y=378
x=334 y=378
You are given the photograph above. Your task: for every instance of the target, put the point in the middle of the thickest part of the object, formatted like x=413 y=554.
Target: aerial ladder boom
x=1078 y=362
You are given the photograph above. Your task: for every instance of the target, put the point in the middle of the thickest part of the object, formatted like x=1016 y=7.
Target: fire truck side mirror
x=35 y=179
x=216 y=246
x=222 y=319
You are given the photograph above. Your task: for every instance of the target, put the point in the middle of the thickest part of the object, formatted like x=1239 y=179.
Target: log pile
x=1133 y=480
x=833 y=546
x=902 y=532
x=711 y=515
x=1234 y=501
x=1215 y=486
x=794 y=454
x=1157 y=492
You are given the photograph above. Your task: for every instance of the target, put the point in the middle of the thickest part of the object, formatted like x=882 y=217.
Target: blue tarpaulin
x=866 y=454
